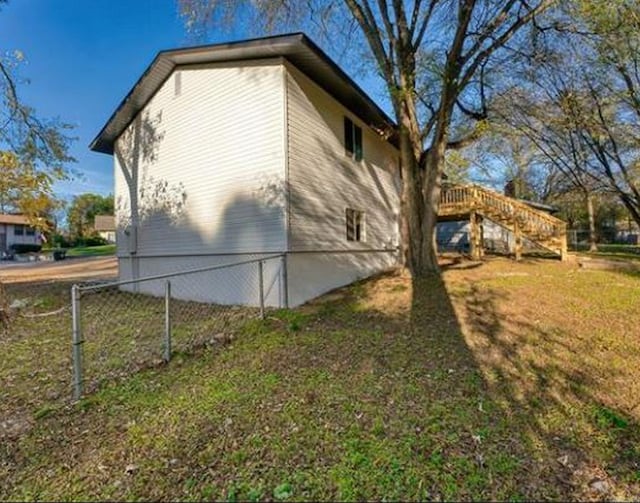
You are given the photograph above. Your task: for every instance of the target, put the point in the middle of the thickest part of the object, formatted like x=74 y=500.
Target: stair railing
x=465 y=198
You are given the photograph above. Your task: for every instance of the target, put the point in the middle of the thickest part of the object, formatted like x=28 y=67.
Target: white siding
x=324 y=182
x=209 y=163
x=235 y=285
x=12 y=238
x=230 y=141
x=312 y=274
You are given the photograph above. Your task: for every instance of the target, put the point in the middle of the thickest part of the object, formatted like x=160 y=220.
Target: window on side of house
x=30 y=231
x=355 y=224
x=352 y=140
x=18 y=230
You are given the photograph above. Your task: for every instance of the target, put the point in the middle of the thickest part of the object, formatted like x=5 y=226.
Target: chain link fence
x=123 y=326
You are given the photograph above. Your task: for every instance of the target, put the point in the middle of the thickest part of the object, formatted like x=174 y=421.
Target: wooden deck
x=472 y=202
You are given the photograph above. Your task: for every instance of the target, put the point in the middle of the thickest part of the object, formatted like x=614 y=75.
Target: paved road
x=69 y=269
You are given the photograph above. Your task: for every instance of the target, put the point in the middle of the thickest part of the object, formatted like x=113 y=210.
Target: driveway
x=69 y=269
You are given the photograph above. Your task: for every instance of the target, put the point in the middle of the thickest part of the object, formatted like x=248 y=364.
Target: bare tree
x=583 y=109
x=504 y=157
x=546 y=114
x=436 y=59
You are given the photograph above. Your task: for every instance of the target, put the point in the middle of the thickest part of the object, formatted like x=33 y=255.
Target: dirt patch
x=14 y=427
x=70 y=269
x=608 y=265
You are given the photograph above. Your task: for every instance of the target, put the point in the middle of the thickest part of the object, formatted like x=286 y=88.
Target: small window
x=177 y=83
x=30 y=231
x=18 y=230
x=355 y=225
x=352 y=139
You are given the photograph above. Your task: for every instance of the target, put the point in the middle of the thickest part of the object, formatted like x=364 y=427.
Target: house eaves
x=14 y=219
x=541 y=206
x=296 y=48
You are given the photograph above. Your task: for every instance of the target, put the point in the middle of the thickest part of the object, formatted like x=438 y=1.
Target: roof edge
x=168 y=58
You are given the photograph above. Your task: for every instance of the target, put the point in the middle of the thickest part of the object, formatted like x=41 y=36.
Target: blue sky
x=82 y=57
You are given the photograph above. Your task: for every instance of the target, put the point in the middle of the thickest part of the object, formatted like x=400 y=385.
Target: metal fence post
x=167 y=321
x=285 y=281
x=78 y=383
x=261 y=287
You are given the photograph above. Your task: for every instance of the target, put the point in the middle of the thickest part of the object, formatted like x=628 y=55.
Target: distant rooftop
x=13 y=219
x=104 y=223
x=540 y=206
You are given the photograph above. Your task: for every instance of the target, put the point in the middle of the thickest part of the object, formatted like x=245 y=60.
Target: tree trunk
x=632 y=206
x=420 y=196
x=403 y=226
x=431 y=200
x=412 y=204
x=593 y=240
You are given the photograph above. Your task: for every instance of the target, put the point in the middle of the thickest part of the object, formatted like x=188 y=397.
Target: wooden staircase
x=475 y=203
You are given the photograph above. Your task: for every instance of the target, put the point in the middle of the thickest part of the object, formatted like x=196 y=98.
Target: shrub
x=60 y=241
x=59 y=254
x=94 y=241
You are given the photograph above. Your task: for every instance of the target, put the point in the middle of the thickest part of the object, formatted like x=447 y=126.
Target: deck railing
x=463 y=199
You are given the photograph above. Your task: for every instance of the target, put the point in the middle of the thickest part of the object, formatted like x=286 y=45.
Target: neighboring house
x=15 y=229
x=105 y=226
x=230 y=152
x=454 y=237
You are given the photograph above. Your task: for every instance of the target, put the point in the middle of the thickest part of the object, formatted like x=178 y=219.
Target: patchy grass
x=499 y=381
x=631 y=249
x=92 y=251
x=619 y=256
x=614 y=252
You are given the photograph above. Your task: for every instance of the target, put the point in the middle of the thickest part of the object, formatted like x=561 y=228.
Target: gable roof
x=14 y=219
x=297 y=48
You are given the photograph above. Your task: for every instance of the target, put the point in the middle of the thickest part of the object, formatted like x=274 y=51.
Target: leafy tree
x=440 y=60
x=82 y=212
x=26 y=190
x=34 y=152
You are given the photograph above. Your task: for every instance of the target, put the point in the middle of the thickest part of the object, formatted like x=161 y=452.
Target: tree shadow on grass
x=389 y=388
x=576 y=446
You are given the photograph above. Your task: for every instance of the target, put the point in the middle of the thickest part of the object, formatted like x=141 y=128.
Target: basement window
x=355 y=224
x=352 y=140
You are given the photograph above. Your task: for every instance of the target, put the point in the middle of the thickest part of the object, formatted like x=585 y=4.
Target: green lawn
x=92 y=251
x=613 y=252
x=500 y=382
x=617 y=256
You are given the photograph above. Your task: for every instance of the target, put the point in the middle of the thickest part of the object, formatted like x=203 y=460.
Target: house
x=105 y=226
x=232 y=152
x=15 y=229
